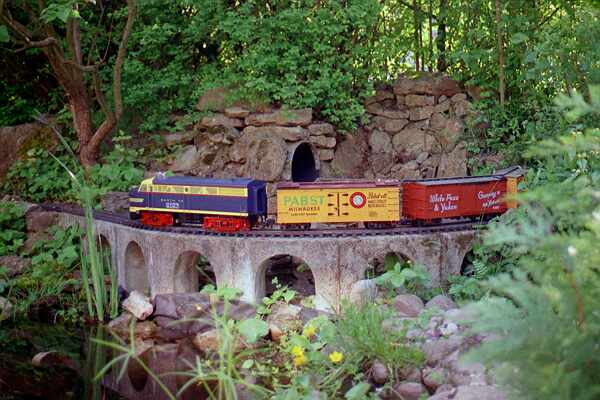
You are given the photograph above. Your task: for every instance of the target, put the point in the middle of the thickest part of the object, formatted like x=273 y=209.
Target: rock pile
x=413 y=130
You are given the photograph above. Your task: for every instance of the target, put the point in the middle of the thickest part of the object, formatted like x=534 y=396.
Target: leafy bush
x=545 y=311
x=39 y=178
x=12 y=228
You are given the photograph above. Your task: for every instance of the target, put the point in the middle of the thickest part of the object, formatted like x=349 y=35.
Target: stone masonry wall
x=413 y=130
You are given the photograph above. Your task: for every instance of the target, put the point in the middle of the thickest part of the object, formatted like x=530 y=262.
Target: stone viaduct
x=164 y=262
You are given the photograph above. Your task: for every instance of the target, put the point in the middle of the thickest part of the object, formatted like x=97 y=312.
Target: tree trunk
x=500 y=38
x=417 y=35
x=440 y=41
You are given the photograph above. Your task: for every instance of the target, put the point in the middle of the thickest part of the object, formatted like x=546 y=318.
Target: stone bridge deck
x=165 y=262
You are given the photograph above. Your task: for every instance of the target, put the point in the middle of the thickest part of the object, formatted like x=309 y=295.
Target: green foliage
x=361 y=338
x=253 y=329
x=53 y=262
x=545 y=311
x=281 y=294
x=12 y=228
x=38 y=178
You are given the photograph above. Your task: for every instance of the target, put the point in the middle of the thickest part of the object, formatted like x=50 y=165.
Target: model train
x=232 y=205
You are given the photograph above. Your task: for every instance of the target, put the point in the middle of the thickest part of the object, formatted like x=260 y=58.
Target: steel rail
x=124 y=220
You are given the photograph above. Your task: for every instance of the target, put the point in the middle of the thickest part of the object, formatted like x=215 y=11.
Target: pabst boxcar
x=476 y=196
x=353 y=201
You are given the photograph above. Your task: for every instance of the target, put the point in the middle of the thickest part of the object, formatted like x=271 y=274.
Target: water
x=68 y=377
x=71 y=375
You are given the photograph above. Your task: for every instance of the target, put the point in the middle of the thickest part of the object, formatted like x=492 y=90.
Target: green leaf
x=518 y=38
x=247 y=364
x=253 y=329
x=4 y=36
x=358 y=392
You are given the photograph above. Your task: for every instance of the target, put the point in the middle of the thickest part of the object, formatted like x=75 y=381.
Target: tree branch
x=83 y=68
x=113 y=118
x=49 y=41
x=131 y=10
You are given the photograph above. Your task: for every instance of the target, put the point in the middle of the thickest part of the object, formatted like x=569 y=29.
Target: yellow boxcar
x=338 y=202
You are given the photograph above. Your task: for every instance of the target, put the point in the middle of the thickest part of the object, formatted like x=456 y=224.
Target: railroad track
x=124 y=220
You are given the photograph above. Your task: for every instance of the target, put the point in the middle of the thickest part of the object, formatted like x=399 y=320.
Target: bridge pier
x=162 y=262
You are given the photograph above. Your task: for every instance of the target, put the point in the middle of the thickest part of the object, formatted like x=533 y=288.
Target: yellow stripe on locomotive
x=338 y=205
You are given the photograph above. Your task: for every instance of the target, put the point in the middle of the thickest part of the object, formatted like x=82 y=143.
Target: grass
x=94 y=263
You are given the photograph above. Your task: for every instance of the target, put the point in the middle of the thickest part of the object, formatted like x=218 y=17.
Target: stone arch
x=136 y=269
x=192 y=271
x=289 y=270
x=304 y=164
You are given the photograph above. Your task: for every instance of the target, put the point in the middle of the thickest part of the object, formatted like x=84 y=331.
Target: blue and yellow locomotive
x=224 y=205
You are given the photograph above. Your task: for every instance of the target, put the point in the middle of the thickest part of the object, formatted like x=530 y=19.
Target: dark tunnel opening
x=303 y=164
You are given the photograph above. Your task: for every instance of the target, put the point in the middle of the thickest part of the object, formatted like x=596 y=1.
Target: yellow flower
x=298 y=351
x=336 y=357
x=300 y=360
x=309 y=331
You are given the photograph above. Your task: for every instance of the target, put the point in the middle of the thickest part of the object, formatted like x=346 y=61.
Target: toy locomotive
x=232 y=205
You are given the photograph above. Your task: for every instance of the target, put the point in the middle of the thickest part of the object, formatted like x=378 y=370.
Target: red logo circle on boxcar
x=358 y=200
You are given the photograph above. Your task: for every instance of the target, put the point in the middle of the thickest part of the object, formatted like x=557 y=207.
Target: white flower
x=572 y=251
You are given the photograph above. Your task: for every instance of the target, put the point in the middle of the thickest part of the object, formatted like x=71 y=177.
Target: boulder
x=379 y=372
x=14 y=265
x=15 y=141
x=446 y=87
x=378 y=109
x=321 y=129
x=211 y=341
x=478 y=392
x=325 y=142
x=410 y=142
x=437 y=350
x=51 y=359
x=218 y=120
x=408 y=305
x=302 y=117
x=441 y=302
x=142 y=330
x=414 y=100
x=177 y=138
x=461 y=108
x=326 y=154
x=350 y=156
x=139 y=305
x=409 y=390
x=236 y=112
x=186 y=314
x=442 y=107
x=457 y=98
x=6 y=308
x=381 y=163
x=410 y=170
x=39 y=221
x=395 y=125
x=380 y=142
x=420 y=113
x=284 y=318
x=453 y=163
x=289 y=134
x=189 y=159
x=265 y=155
x=433 y=378
x=115 y=202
